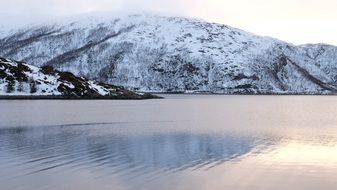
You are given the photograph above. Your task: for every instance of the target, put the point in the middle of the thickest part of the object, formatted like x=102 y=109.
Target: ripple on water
x=50 y=148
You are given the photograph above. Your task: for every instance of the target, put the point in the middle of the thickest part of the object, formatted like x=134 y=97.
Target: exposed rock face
x=21 y=79
x=162 y=54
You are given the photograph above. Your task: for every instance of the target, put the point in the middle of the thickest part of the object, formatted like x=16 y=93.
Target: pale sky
x=295 y=21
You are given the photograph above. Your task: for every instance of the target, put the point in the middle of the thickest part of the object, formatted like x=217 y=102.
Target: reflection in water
x=48 y=148
x=293 y=163
x=305 y=153
x=287 y=143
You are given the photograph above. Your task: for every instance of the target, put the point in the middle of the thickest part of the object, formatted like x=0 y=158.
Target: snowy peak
x=164 y=54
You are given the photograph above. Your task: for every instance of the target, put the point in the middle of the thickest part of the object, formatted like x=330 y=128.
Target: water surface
x=181 y=142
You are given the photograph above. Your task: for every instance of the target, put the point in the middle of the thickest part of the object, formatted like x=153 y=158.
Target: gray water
x=181 y=142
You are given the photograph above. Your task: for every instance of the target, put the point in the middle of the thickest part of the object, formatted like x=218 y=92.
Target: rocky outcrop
x=18 y=79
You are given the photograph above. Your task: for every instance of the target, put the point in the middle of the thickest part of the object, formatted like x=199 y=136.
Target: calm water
x=181 y=142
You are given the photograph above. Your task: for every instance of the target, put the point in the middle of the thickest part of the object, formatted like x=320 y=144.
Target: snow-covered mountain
x=169 y=54
x=20 y=79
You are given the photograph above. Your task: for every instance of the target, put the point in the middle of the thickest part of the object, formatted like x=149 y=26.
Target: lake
x=182 y=142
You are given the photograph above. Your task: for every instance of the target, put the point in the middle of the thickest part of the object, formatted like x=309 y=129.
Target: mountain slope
x=20 y=79
x=163 y=54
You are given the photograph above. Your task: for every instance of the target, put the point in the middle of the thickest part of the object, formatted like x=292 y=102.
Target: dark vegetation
x=70 y=86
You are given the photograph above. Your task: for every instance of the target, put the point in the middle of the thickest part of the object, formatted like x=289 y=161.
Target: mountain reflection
x=49 y=148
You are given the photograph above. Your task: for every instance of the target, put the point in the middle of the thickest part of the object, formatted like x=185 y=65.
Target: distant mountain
x=18 y=79
x=168 y=54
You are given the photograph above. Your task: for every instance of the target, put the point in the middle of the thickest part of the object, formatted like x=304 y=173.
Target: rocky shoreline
x=19 y=80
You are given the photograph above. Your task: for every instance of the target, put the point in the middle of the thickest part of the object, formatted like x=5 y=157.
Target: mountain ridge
x=174 y=54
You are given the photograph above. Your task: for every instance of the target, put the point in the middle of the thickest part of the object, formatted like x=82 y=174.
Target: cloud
x=22 y=12
x=299 y=21
x=67 y=7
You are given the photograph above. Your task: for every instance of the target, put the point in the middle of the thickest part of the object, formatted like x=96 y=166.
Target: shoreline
x=146 y=97
x=152 y=96
x=245 y=94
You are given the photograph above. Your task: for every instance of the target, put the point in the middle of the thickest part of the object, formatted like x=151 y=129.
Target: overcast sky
x=296 y=21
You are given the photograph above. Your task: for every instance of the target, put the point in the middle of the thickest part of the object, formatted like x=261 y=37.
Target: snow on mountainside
x=21 y=79
x=169 y=54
